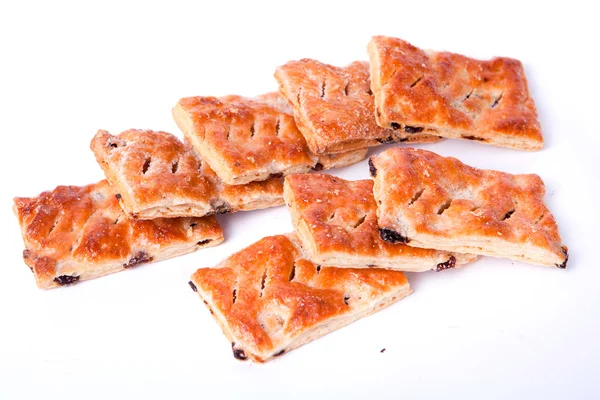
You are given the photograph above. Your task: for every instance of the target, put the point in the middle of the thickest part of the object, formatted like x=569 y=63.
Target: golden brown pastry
x=336 y=222
x=426 y=200
x=157 y=176
x=75 y=233
x=453 y=96
x=268 y=299
x=333 y=107
x=245 y=140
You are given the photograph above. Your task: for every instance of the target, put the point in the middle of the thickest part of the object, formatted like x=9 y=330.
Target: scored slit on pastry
x=245 y=140
x=157 y=176
x=336 y=222
x=75 y=233
x=269 y=299
x=453 y=95
x=333 y=107
x=430 y=201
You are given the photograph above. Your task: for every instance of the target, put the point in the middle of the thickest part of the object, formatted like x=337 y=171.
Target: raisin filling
x=66 y=279
x=392 y=236
x=451 y=263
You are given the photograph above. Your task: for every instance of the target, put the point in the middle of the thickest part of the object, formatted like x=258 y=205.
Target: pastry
x=157 y=176
x=245 y=140
x=75 y=233
x=426 y=200
x=268 y=299
x=333 y=107
x=336 y=223
x=453 y=96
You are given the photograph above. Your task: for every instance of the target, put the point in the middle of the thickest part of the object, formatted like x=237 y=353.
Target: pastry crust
x=333 y=107
x=431 y=201
x=336 y=222
x=75 y=233
x=453 y=95
x=268 y=299
x=157 y=176
x=245 y=140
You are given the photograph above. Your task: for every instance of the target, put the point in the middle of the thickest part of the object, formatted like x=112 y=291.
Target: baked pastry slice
x=75 y=233
x=336 y=222
x=453 y=96
x=157 y=176
x=268 y=299
x=333 y=107
x=431 y=201
x=245 y=140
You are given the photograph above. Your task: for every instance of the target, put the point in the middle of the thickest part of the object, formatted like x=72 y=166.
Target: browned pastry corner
x=426 y=200
x=268 y=299
x=453 y=96
x=333 y=107
x=245 y=140
x=157 y=176
x=336 y=223
x=75 y=233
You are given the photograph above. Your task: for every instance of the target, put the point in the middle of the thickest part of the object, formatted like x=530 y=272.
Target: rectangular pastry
x=75 y=233
x=453 y=96
x=269 y=299
x=431 y=201
x=336 y=223
x=245 y=140
x=157 y=176
x=333 y=107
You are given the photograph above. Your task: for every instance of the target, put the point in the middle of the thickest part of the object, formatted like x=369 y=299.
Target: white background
x=496 y=329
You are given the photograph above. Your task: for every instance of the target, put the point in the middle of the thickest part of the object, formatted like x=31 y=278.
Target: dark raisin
x=382 y=350
x=473 y=138
x=277 y=175
x=113 y=145
x=279 y=353
x=564 y=264
x=223 y=209
x=413 y=129
x=318 y=167
x=118 y=196
x=387 y=140
x=404 y=140
x=138 y=258
x=194 y=288
x=238 y=353
x=395 y=125
x=346 y=298
x=372 y=169
x=451 y=263
x=203 y=242
x=392 y=236
x=372 y=266
x=66 y=279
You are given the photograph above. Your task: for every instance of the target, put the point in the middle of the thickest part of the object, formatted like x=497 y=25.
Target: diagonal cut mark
x=497 y=100
x=416 y=82
x=468 y=95
x=346 y=92
x=444 y=206
x=252 y=130
x=292 y=273
x=346 y=298
x=146 y=165
x=332 y=215
x=323 y=85
x=234 y=295
x=53 y=226
x=228 y=132
x=416 y=197
x=508 y=215
x=360 y=221
x=277 y=127
x=537 y=221
x=262 y=283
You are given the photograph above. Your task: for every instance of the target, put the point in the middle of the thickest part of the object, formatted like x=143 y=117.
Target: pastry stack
x=352 y=240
